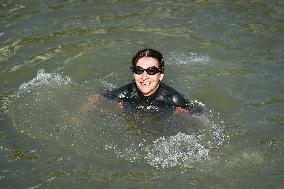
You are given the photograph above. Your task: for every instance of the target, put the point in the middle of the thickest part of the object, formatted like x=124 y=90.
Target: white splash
x=179 y=150
x=106 y=84
x=43 y=79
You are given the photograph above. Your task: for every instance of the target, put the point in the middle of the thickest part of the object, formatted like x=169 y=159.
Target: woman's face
x=148 y=84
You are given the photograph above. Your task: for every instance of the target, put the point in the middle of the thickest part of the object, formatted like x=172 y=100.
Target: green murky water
x=227 y=55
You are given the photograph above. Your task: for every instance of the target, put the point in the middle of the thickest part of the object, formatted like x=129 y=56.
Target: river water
x=227 y=55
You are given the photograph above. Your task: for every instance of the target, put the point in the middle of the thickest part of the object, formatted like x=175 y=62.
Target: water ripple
x=270 y=101
x=9 y=50
x=192 y=58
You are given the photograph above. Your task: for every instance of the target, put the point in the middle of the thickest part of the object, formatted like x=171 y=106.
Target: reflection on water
x=225 y=54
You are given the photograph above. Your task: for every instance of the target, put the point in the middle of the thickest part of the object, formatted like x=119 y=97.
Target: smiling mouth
x=145 y=83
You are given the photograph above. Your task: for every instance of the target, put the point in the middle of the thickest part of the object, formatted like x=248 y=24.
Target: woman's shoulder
x=121 y=92
x=168 y=89
x=179 y=100
x=176 y=98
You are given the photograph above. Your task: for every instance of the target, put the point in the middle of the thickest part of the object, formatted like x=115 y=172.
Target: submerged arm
x=195 y=112
x=91 y=103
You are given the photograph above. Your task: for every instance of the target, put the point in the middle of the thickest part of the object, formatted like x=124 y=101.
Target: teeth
x=145 y=83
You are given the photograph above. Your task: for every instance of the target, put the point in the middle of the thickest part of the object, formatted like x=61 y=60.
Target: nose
x=144 y=75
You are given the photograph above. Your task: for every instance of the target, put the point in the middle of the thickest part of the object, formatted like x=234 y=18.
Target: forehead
x=146 y=62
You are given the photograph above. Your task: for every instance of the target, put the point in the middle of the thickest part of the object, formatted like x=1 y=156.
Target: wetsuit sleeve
x=192 y=107
x=179 y=101
x=196 y=107
x=118 y=94
x=173 y=97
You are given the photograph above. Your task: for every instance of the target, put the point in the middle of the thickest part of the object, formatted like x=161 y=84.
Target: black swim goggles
x=151 y=70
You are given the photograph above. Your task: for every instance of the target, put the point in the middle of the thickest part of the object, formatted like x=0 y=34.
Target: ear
x=161 y=77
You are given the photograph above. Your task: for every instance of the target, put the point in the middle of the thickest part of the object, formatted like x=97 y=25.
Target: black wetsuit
x=164 y=100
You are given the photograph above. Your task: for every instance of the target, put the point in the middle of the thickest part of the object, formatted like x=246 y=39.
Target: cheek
x=135 y=77
x=157 y=78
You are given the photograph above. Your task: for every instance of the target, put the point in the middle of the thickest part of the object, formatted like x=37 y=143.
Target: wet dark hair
x=149 y=53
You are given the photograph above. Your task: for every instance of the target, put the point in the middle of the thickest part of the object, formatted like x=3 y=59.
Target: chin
x=145 y=92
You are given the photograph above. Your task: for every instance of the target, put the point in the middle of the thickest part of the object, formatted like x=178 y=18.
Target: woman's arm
x=92 y=101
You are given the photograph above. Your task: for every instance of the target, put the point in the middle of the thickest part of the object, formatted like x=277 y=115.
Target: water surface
x=227 y=55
